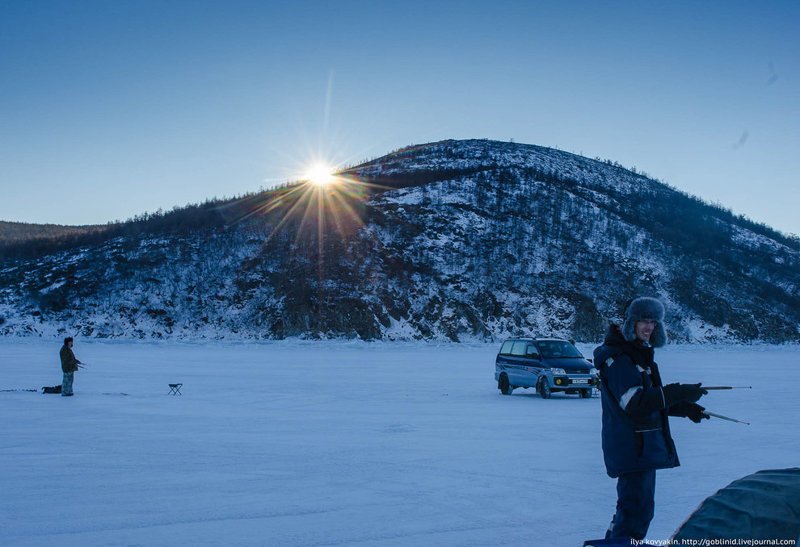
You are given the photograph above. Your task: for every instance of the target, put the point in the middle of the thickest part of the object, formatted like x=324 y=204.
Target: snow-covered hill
x=456 y=240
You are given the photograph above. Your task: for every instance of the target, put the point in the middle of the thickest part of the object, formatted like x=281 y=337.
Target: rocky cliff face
x=456 y=240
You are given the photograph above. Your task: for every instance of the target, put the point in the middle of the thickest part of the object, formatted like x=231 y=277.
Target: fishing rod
x=721 y=417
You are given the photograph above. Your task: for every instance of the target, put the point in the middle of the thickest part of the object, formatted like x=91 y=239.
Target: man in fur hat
x=636 y=406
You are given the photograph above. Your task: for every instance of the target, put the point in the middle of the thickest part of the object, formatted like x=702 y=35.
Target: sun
x=320 y=174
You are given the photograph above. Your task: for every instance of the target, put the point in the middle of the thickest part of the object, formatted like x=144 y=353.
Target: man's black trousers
x=635 y=505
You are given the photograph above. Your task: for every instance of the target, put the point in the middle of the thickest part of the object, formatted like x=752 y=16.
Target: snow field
x=339 y=443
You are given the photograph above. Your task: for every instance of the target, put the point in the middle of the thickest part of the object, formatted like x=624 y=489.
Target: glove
x=695 y=413
x=679 y=393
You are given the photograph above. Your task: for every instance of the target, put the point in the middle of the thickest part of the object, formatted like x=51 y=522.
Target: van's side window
x=531 y=349
x=506 y=349
x=519 y=347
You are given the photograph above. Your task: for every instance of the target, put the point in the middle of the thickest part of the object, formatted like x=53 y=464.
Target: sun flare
x=322 y=200
x=320 y=174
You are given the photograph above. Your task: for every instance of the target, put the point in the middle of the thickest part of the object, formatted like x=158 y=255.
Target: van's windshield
x=557 y=349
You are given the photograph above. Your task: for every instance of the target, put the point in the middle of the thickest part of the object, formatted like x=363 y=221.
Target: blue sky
x=109 y=109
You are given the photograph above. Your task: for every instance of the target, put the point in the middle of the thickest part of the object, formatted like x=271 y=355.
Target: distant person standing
x=636 y=406
x=69 y=365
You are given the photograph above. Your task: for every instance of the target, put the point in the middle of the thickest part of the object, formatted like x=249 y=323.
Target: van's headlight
x=594 y=372
x=557 y=370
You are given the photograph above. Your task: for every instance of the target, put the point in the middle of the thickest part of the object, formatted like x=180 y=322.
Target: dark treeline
x=178 y=221
x=34 y=240
x=419 y=177
x=14 y=232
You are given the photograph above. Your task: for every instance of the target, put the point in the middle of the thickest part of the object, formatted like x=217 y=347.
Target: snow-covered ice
x=334 y=443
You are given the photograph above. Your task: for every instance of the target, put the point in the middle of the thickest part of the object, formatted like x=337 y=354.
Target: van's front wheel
x=586 y=393
x=544 y=389
x=503 y=385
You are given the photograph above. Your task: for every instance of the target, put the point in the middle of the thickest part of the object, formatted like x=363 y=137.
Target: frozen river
x=300 y=443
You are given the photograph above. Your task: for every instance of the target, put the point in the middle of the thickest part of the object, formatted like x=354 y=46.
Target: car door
x=529 y=366
x=517 y=362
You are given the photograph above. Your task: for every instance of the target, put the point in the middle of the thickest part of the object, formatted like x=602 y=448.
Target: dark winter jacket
x=636 y=434
x=68 y=361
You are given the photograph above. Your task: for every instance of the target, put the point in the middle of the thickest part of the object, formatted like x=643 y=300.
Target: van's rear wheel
x=503 y=385
x=544 y=389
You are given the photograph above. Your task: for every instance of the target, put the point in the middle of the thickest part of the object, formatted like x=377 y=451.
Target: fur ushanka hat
x=645 y=308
